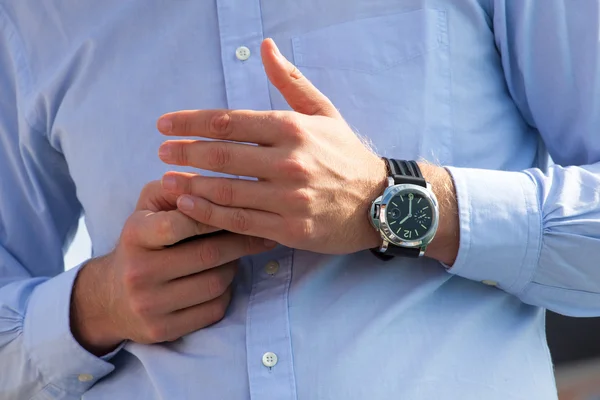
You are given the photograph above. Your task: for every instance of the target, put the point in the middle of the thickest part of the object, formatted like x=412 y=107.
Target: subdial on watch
x=423 y=218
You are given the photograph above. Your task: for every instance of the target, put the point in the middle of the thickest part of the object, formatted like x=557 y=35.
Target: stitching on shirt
x=26 y=82
x=46 y=390
x=470 y=220
x=514 y=286
x=288 y=324
x=448 y=83
x=570 y=290
x=536 y=257
x=262 y=30
x=372 y=71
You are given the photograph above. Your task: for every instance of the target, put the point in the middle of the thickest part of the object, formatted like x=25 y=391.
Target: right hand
x=151 y=289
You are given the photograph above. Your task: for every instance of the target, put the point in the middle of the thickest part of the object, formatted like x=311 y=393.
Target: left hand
x=316 y=178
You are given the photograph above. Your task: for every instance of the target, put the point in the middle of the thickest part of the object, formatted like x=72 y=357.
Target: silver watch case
x=382 y=226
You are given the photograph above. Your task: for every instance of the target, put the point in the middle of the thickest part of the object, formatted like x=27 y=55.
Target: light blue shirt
x=486 y=87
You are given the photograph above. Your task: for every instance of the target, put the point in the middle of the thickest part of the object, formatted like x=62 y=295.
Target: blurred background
x=574 y=342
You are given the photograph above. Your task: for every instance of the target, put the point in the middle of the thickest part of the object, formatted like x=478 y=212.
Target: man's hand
x=316 y=178
x=149 y=291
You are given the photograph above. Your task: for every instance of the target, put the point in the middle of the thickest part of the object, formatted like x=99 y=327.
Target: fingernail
x=276 y=51
x=164 y=152
x=270 y=243
x=185 y=203
x=165 y=125
x=169 y=182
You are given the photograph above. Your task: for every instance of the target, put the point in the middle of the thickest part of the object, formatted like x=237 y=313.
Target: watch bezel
x=384 y=228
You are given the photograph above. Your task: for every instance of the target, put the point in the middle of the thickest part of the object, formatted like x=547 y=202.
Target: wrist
x=372 y=237
x=91 y=322
x=445 y=244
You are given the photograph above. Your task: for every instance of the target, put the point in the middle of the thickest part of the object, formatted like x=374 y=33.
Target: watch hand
x=405 y=218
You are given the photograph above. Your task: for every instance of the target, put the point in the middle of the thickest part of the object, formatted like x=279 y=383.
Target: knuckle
x=165 y=229
x=130 y=232
x=224 y=192
x=291 y=125
x=134 y=277
x=187 y=126
x=200 y=228
x=240 y=220
x=209 y=253
x=219 y=156
x=157 y=332
x=208 y=213
x=217 y=285
x=149 y=189
x=295 y=73
x=302 y=229
x=180 y=152
x=216 y=310
x=294 y=168
x=220 y=124
x=300 y=199
x=141 y=306
x=251 y=244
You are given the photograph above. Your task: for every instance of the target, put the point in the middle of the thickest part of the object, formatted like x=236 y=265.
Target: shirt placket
x=268 y=339
x=240 y=30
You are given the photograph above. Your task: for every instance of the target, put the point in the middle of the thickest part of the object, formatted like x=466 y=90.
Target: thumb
x=297 y=90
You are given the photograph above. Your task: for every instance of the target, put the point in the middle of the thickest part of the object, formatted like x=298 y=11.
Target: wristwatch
x=406 y=214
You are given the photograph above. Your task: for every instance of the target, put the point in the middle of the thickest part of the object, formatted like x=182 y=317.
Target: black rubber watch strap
x=403 y=251
x=393 y=251
x=405 y=172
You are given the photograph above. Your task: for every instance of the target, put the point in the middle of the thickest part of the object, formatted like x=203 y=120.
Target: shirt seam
x=577 y=291
x=21 y=64
x=262 y=31
x=288 y=323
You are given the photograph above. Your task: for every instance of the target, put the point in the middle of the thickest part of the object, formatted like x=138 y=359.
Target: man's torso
x=417 y=78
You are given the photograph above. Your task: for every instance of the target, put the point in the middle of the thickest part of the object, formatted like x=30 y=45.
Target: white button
x=242 y=53
x=85 y=378
x=269 y=359
x=272 y=267
x=490 y=283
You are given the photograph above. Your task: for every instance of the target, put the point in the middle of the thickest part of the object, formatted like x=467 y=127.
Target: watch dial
x=409 y=215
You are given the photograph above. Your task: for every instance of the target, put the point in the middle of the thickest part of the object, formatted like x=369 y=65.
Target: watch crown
x=376 y=210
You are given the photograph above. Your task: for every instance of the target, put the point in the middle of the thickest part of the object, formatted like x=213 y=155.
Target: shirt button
x=242 y=53
x=272 y=267
x=85 y=378
x=490 y=283
x=269 y=359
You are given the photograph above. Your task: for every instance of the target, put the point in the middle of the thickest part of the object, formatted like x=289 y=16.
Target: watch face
x=409 y=215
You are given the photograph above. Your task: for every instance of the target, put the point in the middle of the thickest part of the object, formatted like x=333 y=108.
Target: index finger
x=157 y=230
x=206 y=253
x=248 y=126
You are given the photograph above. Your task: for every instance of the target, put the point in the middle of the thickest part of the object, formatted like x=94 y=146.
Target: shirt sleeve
x=536 y=233
x=39 y=358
